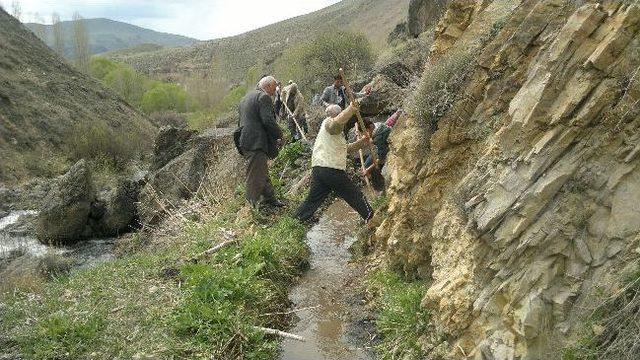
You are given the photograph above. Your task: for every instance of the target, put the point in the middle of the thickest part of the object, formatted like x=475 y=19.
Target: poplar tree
x=81 y=43
x=16 y=10
x=58 y=34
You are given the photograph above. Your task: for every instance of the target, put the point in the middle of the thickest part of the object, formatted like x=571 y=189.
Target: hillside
x=229 y=58
x=108 y=35
x=42 y=101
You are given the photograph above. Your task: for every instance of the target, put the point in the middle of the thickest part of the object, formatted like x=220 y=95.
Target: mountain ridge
x=109 y=35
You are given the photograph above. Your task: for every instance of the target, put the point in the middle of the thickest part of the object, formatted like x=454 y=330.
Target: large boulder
x=181 y=177
x=64 y=214
x=385 y=97
x=170 y=143
x=117 y=212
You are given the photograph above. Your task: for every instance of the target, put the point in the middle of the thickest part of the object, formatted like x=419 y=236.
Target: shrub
x=127 y=83
x=166 y=97
x=321 y=57
x=100 y=66
x=93 y=140
x=438 y=89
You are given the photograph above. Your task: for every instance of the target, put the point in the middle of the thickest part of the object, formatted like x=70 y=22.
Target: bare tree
x=39 y=29
x=16 y=10
x=58 y=34
x=81 y=42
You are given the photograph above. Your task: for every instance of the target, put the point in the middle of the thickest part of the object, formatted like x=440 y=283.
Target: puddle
x=320 y=295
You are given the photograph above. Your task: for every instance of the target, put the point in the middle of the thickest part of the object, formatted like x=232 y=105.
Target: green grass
x=400 y=318
x=128 y=308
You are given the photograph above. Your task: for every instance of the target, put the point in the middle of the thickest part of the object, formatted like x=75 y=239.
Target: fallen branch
x=279 y=333
x=291 y=311
x=231 y=240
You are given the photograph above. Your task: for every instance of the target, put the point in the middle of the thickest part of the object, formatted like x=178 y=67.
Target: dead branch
x=279 y=333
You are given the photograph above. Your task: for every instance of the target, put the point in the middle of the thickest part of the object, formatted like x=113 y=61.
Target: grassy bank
x=400 y=320
x=155 y=304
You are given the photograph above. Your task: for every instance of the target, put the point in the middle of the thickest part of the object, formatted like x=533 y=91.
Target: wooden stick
x=364 y=168
x=294 y=120
x=279 y=333
x=352 y=99
x=291 y=311
x=215 y=249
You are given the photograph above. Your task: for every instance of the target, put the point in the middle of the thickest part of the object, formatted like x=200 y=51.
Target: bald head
x=333 y=110
x=268 y=84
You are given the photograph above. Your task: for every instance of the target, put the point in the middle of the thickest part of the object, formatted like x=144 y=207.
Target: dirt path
x=325 y=293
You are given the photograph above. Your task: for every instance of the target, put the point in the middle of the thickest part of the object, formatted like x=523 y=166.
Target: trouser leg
x=257 y=178
x=344 y=188
x=317 y=194
x=305 y=127
x=293 y=130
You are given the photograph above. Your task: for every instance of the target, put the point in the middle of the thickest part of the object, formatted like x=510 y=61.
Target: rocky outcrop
x=72 y=211
x=385 y=98
x=521 y=205
x=454 y=22
x=209 y=158
x=63 y=217
x=117 y=212
x=169 y=143
x=423 y=13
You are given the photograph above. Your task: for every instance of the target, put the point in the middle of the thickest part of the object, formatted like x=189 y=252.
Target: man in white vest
x=329 y=163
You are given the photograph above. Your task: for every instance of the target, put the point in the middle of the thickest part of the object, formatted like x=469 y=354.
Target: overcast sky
x=200 y=19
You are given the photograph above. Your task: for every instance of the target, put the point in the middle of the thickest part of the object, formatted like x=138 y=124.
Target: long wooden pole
x=352 y=99
x=294 y=119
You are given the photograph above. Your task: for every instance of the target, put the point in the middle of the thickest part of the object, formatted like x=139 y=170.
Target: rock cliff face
x=522 y=203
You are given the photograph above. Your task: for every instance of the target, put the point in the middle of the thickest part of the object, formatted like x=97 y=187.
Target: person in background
x=335 y=94
x=277 y=105
x=391 y=121
x=329 y=163
x=259 y=141
x=379 y=134
x=295 y=103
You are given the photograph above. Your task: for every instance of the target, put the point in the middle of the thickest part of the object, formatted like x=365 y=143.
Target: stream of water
x=85 y=253
x=320 y=296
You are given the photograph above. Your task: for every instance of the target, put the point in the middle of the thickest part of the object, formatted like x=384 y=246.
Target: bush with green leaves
x=96 y=142
x=166 y=97
x=139 y=90
x=312 y=64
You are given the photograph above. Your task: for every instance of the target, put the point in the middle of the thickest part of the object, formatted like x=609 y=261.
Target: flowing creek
x=320 y=298
x=85 y=253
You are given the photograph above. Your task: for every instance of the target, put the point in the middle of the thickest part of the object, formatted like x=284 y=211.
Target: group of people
x=260 y=138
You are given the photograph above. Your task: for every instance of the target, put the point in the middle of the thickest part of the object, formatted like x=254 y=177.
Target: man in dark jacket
x=259 y=140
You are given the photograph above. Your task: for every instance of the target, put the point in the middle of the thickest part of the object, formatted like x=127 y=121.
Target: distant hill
x=43 y=99
x=108 y=35
x=229 y=58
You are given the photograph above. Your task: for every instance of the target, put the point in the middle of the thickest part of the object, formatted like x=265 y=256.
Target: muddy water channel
x=322 y=297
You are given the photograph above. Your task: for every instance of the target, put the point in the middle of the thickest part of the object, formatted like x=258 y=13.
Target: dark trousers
x=257 y=182
x=323 y=182
x=293 y=129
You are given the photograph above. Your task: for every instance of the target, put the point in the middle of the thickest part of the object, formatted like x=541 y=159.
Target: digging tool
x=295 y=121
x=374 y=154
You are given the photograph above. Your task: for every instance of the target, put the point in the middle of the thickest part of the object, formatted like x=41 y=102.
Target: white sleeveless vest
x=329 y=151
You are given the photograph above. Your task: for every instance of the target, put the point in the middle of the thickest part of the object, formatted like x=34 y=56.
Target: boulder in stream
x=64 y=214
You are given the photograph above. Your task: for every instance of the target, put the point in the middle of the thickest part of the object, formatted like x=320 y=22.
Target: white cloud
x=200 y=19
